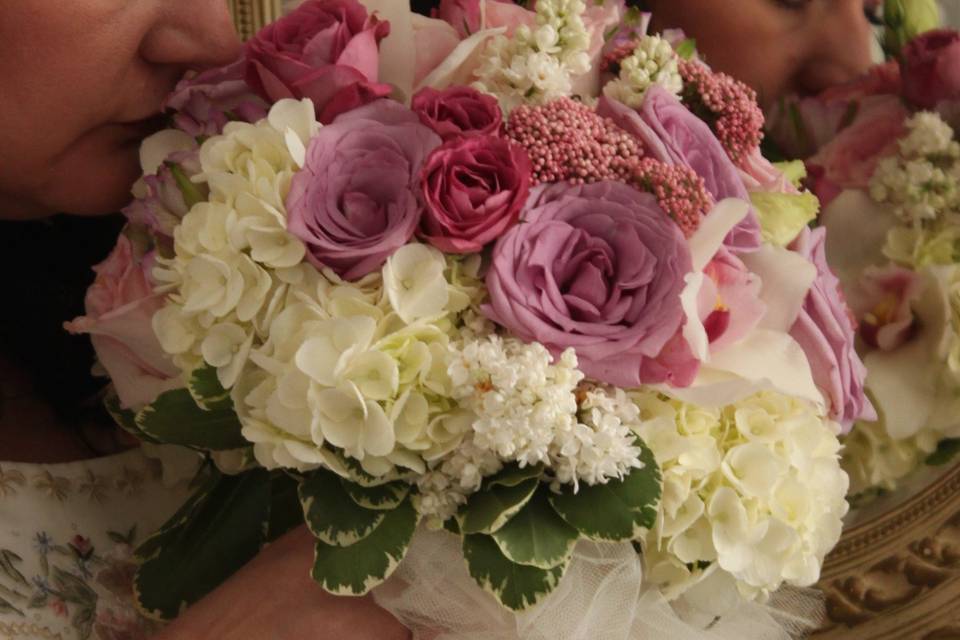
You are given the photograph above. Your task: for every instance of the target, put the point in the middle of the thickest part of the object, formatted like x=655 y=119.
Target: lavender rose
x=474 y=189
x=671 y=133
x=326 y=50
x=825 y=330
x=599 y=268
x=203 y=104
x=355 y=203
x=457 y=111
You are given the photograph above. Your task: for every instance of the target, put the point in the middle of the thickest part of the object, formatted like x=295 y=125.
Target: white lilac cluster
x=921 y=182
x=753 y=489
x=529 y=409
x=537 y=64
x=653 y=62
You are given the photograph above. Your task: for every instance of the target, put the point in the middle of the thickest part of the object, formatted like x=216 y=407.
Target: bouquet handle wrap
x=601 y=597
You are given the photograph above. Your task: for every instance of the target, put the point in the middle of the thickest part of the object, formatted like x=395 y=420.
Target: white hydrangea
x=874 y=460
x=537 y=64
x=654 y=61
x=754 y=488
x=921 y=182
x=234 y=262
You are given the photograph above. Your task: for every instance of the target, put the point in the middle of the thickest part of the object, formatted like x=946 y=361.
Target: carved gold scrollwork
x=251 y=15
x=898 y=576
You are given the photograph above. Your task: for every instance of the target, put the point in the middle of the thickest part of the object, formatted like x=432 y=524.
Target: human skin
x=776 y=46
x=82 y=82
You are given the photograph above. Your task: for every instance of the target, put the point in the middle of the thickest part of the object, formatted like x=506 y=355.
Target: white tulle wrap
x=601 y=597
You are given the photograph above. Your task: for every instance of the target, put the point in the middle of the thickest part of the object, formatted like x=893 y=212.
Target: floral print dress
x=67 y=535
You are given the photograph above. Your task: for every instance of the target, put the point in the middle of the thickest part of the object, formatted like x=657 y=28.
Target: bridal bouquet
x=891 y=176
x=518 y=276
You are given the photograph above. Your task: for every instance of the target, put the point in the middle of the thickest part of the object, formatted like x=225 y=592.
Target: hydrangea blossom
x=754 y=488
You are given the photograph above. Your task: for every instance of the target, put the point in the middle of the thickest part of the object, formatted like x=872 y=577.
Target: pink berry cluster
x=568 y=141
x=728 y=105
x=678 y=189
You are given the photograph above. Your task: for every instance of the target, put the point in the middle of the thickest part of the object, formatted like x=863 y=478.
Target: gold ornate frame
x=896 y=576
x=251 y=15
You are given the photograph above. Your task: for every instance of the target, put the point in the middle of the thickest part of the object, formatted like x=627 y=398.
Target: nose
x=192 y=34
x=840 y=47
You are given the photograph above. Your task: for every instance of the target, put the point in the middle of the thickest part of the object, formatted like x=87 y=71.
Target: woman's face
x=775 y=46
x=82 y=83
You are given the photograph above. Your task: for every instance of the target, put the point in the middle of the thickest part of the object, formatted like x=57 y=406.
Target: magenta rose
x=931 y=68
x=826 y=332
x=120 y=306
x=458 y=110
x=203 y=104
x=355 y=202
x=326 y=50
x=671 y=133
x=474 y=188
x=598 y=268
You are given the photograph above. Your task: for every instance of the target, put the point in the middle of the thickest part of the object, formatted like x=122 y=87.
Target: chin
x=95 y=185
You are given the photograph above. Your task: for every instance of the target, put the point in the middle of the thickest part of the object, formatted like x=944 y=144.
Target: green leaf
x=218 y=530
x=687 y=49
x=380 y=498
x=83 y=619
x=192 y=193
x=73 y=589
x=515 y=586
x=619 y=510
x=7 y=607
x=205 y=389
x=330 y=513
x=947 y=450
x=537 y=536
x=357 y=569
x=7 y=560
x=175 y=418
x=125 y=418
x=513 y=474
x=285 y=510
x=489 y=509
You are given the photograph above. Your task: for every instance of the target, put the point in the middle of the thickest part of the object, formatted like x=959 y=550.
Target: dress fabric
x=67 y=535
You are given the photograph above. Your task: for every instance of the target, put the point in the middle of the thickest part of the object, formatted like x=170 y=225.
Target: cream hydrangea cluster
x=654 y=61
x=530 y=409
x=537 y=64
x=922 y=181
x=875 y=460
x=753 y=489
x=235 y=266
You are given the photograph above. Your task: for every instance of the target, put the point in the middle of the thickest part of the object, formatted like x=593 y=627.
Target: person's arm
x=274 y=598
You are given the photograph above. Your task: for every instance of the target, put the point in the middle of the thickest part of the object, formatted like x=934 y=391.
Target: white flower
x=413 y=279
x=653 y=62
x=754 y=490
x=353 y=423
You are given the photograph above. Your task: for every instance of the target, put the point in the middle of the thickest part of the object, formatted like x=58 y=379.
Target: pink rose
x=759 y=174
x=326 y=50
x=435 y=40
x=931 y=68
x=160 y=203
x=203 y=104
x=849 y=160
x=120 y=306
x=599 y=268
x=474 y=188
x=466 y=16
x=882 y=79
x=355 y=201
x=825 y=329
x=458 y=110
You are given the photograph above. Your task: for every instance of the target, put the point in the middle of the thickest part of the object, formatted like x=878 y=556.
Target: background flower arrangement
x=889 y=174
x=534 y=284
